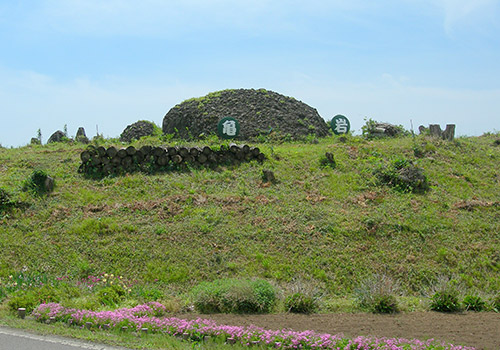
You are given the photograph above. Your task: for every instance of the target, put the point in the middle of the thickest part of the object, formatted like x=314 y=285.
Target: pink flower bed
x=152 y=317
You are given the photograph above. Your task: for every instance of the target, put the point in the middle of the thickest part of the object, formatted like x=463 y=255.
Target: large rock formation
x=257 y=111
x=57 y=136
x=137 y=130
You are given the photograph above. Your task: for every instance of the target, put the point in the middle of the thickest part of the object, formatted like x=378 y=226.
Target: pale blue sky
x=111 y=63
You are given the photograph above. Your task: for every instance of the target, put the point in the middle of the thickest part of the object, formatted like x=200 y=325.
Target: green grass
x=329 y=227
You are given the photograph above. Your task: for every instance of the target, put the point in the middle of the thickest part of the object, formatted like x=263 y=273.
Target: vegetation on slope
x=327 y=227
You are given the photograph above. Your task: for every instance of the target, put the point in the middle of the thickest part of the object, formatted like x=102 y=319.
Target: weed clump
x=111 y=295
x=328 y=160
x=234 y=296
x=403 y=176
x=496 y=303
x=31 y=298
x=473 y=303
x=445 y=301
x=301 y=303
x=377 y=294
x=5 y=200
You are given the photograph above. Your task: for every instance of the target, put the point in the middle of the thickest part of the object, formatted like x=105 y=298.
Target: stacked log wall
x=111 y=160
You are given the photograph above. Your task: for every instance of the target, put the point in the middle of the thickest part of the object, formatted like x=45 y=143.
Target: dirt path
x=480 y=330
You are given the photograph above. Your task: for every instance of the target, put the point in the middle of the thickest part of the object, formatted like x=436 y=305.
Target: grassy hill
x=326 y=227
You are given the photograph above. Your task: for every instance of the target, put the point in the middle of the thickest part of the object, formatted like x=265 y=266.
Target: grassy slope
x=330 y=227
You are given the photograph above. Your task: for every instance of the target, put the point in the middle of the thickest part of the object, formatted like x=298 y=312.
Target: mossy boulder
x=137 y=130
x=258 y=112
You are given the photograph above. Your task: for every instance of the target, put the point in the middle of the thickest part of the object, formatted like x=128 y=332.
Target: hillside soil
x=480 y=330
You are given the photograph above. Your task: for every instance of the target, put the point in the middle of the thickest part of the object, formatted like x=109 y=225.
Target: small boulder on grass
x=39 y=183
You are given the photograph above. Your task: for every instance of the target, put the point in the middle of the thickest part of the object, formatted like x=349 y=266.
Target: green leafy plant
x=111 y=295
x=473 y=303
x=148 y=293
x=496 y=303
x=377 y=294
x=385 y=304
x=301 y=303
x=445 y=301
x=29 y=299
x=5 y=200
x=328 y=160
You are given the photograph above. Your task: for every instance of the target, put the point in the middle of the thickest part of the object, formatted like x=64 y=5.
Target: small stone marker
x=448 y=134
x=340 y=125
x=81 y=136
x=49 y=184
x=228 y=128
x=21 y=312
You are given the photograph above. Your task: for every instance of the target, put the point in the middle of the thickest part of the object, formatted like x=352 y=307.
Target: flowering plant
x=146 y=316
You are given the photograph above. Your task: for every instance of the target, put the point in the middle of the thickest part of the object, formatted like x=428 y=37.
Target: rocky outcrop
x=81 y=136
x=137 y=130
x=257 y=111
x=58 y=136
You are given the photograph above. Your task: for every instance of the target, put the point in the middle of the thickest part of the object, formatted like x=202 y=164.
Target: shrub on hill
x=377 y=294
x=445 y=301
x=496 y=303
x=5 y=200
x=234 y=296
x=301 y=303
x=403 y=176
x=474 y=303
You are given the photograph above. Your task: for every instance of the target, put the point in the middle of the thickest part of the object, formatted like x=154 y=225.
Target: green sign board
x=340 y=125
x=228 y=128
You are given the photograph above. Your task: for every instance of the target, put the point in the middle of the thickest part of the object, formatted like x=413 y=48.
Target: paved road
x=13 y=339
